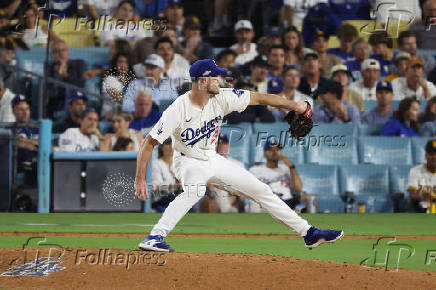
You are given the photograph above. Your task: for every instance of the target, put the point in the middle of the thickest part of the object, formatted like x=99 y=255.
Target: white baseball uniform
x=194 y=133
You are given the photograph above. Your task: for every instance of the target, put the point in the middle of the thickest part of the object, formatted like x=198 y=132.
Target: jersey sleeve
x=67 y=142
x=166 y=125
x=233 y=100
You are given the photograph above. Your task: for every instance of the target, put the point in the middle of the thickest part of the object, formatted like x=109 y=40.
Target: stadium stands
x=385 y=150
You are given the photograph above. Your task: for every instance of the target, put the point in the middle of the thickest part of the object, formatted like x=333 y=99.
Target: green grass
x=351 y=251
x=352 y=224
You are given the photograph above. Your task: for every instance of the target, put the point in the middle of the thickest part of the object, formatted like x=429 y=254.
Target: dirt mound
x=111 y=268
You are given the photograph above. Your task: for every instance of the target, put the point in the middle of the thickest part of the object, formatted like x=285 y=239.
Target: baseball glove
x=300 y=125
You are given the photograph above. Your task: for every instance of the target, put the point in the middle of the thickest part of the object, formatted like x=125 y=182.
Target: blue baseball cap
x=74 y=96
x=384 y=86
x=205 y=68
x=88 y=110
x=271 y=142
x=172 y=3
x=19 y=98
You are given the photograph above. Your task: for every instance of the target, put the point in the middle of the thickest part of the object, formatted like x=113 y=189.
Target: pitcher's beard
x=213 y=92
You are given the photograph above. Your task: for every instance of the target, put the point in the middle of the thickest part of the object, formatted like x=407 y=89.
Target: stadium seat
x=423 y=104
x=66 y=30
x=239 y=142
x=271 y=130
x=395 y=104
x=399 y=180
x=331 y=144
x=385 y=150
x=418 y=149
x=369 y=183
x=292 y=150
x=369 y=130
x=322 y=181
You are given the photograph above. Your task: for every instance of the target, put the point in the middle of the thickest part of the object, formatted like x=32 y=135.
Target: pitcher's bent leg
x=194 y=188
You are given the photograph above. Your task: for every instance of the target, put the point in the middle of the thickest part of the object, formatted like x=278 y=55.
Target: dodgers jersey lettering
x=195 y=131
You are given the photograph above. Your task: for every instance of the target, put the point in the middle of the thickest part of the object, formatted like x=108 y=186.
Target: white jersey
x=419 y=175
x=195 y=131
x=72 y=140
x=279 y=179
x=401 y=90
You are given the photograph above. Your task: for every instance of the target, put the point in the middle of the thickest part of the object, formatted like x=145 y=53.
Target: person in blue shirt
x=149 y=9
x=404 y=122
x=383 y=112
x=319 y=18
x=333 y=109
x=350 y=9
x=382 y=46
x=361 y=52
x=155 y=79
x=346 y=34
x=144 y=116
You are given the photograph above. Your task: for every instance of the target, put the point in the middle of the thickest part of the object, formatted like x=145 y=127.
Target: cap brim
x=218 y=72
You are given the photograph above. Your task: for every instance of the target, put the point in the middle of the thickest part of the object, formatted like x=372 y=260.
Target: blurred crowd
x=278 y=46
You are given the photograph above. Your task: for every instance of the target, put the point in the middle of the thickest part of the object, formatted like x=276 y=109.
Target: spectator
x=226 y=58
x=370 y=74
x=119 y=46
x=319 y=18
x=425 y=32
x=291 y=81
x=401 y=60
x=274 y=35
x=407 y=42
x=83 y=139
x=174 y=13
x=226 y=202
x=350 y=10
x=6 y=96
x=155 y=79
x=259 y=113
x=404 y=122
x=294 y=45
x=7 y=74
x=165 y=185
x=150 y=8
x=176 y=66
x=120 y=72
x=61 y=8
x=144 y=117
x=360 y=50
x=429 y=114
x=276 y=61
x=117 y=28
x=171 y=33
x=341 y=74
x=31 y=33
x=312 y=79
x=120 y=125
x=346 y=34
x=382 y=46
x=334 y=109
x=326 y=60
x=422 y=179
x=77 y=105
x=221 y=17
x=258 y=76
x=296 y=10
x=95 y=8
x=244 y=48
x=283 y=179
x=195 y=47
x=413 y=84
x=230 y=78
x=383 y=112
x=66 y=70
x=124 y=144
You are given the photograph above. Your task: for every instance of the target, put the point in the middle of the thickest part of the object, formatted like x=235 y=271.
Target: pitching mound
x=111 y=268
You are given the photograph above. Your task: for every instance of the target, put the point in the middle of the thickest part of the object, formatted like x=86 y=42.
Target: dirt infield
x=91 y=268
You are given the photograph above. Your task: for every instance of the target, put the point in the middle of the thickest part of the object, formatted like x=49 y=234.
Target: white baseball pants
x=195 y=174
